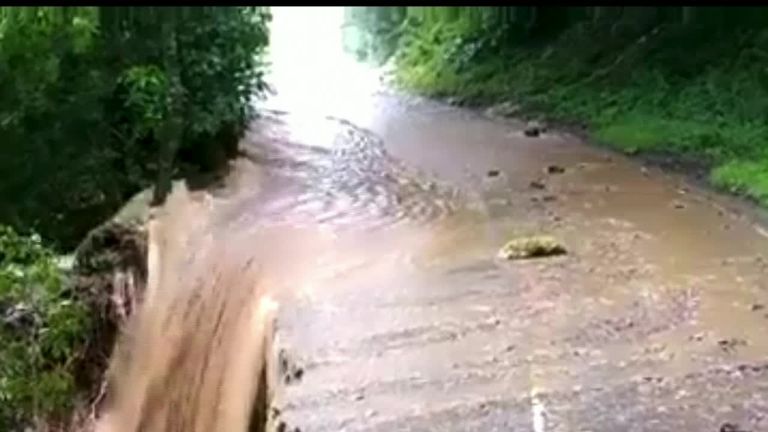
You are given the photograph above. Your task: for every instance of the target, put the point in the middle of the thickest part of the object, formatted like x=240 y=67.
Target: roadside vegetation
x=686 y=83
x=97 y=104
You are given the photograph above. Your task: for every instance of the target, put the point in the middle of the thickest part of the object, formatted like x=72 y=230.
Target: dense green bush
x=683 y=81
x=42 y=333
x=98 y=102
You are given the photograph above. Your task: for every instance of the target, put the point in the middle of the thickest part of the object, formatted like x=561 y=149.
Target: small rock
x=531 y=247
x=757 y=307
x=554 y=169
x=298 y=373
x=731 y=427
x=282 y=356
x=537 y=184
x=504 y=109
x=495 y=321
x=533 y=129
x=455 y=101
x=370 y=413
x=644 y=171
x=493 y=173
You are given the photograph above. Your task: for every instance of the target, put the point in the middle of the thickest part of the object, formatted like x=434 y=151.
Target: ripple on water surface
x=344 y=175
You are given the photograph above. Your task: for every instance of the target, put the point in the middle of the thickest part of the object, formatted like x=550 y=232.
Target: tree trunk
x=169 y=136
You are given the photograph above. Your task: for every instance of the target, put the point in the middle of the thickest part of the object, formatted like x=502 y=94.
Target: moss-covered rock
x=531 y=247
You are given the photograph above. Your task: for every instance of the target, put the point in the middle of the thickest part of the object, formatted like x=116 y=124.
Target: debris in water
x=549 y=198
x=538 y=184
x=678 y=205
x=554 y=169
x=289 y=371
x=531 y=247
x=729 y=345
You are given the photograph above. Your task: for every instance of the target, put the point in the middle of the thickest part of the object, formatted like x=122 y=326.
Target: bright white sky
x=310 y=70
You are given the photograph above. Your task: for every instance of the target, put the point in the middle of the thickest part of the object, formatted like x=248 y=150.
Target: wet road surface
x=381 y=233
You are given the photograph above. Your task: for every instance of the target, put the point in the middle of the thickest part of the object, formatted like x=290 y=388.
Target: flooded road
x=395 y=313
x=367 y=223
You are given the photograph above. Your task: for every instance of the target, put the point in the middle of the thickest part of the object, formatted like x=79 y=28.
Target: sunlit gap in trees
x=310 y=71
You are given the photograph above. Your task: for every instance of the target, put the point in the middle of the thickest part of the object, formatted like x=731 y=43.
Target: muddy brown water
x=370 y=238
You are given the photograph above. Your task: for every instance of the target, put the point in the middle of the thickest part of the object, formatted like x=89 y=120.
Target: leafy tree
x=98 y=102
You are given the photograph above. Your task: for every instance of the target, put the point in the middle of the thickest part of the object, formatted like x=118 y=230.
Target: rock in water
x=531 y=247
x=533 y=129
x=504 y=109
x=554 y=169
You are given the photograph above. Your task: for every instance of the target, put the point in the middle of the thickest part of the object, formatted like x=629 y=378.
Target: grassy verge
x=678 y=91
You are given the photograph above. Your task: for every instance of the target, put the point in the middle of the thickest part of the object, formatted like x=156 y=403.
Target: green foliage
x=372 y=33
x=680 y=81
x=744 y=177
x=86 y=91
x=147 y=91
x=41 y=333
